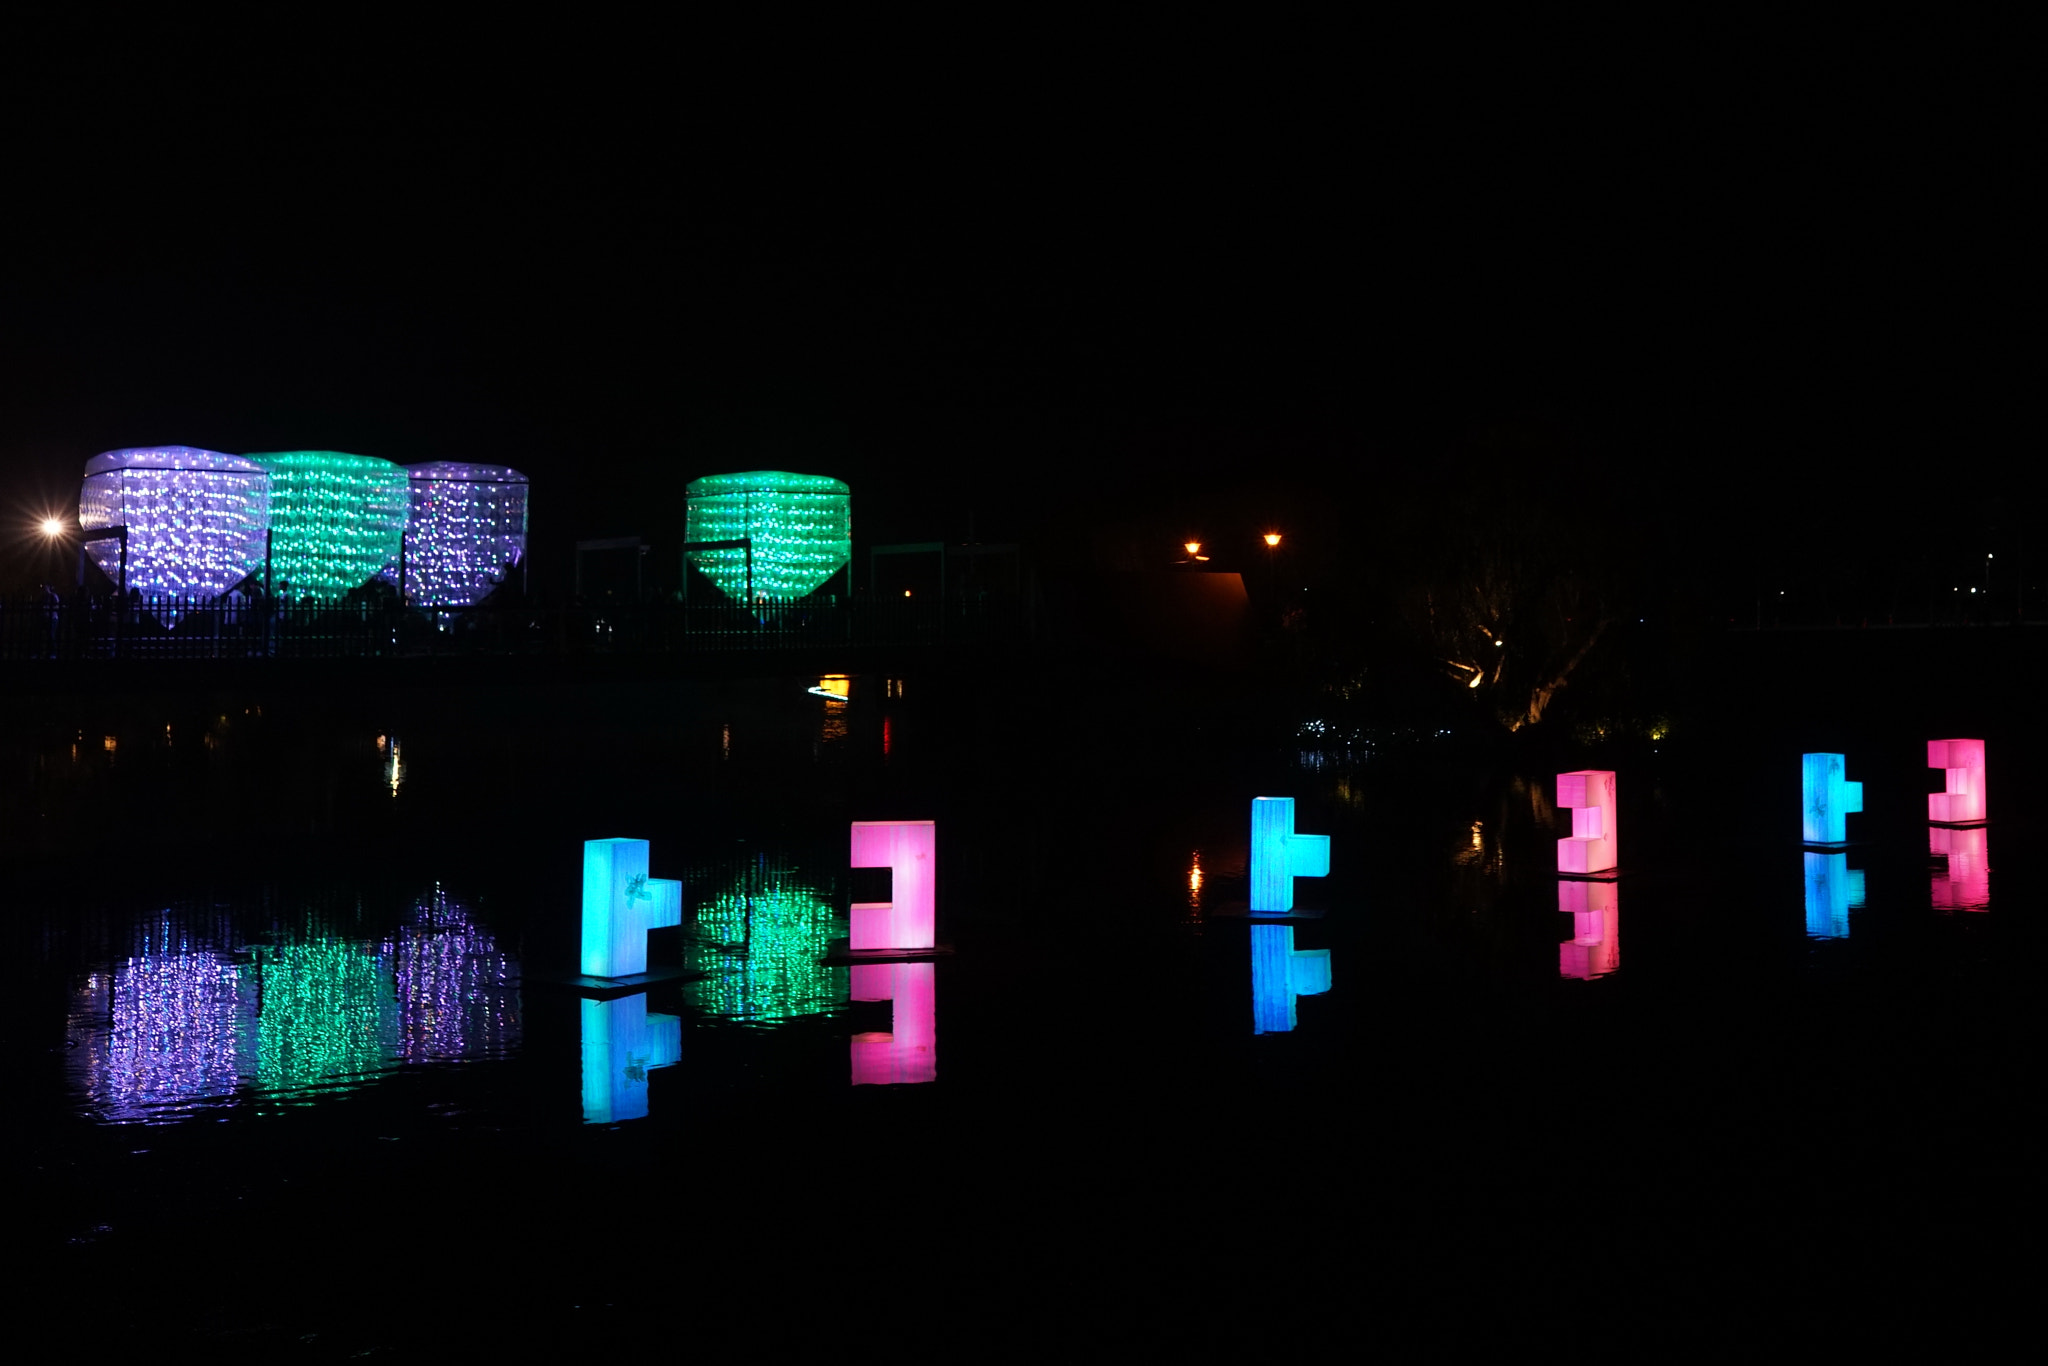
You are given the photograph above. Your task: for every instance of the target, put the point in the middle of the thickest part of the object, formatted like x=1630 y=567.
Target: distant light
x=906 y=592
x=1477 y=679
x=1193 y=548
x=53 y=527
x=1272 y=539
x=1498 y=643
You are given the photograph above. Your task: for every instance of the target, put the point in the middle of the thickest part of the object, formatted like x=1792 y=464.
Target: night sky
x=1057 y=284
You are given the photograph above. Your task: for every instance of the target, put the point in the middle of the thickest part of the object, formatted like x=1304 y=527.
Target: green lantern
x=800 y=526
x=335 y=520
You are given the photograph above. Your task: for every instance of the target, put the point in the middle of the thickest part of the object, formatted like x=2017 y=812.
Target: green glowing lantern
x=800 y=526
x=335 y=520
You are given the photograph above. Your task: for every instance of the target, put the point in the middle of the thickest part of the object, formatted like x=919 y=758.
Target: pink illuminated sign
x=1593 y=846
x=908 y=919
x=1966 y=884
x=1961 y=800
x=1594 y=949
x=909 y=1052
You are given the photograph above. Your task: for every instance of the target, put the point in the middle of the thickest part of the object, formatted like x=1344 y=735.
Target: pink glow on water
x=1966 y=884
x=1594 y=949
x=909 y=1052
x=908 y=919
x=1962 y=796
x=1594 y=845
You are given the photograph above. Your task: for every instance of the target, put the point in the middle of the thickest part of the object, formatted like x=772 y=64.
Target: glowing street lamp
x=1272 y=540
x=53 y=527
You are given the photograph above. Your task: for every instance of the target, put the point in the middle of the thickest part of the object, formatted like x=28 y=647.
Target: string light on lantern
x=335 y=520
x=466 y=527
x=801 y=526
x=195 y=518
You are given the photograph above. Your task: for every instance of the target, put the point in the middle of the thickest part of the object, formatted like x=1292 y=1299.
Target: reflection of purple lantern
x=195 y=518
x=467 y=527
x=162 y=1034
x=456 y=989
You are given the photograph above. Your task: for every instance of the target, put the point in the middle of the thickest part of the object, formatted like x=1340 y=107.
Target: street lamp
x=1272 y=540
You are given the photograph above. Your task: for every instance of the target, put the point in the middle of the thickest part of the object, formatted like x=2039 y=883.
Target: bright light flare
x=1193 y=548
x=53 y=527
x=1272 y=539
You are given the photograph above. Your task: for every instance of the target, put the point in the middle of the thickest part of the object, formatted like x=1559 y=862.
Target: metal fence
x=232 y=627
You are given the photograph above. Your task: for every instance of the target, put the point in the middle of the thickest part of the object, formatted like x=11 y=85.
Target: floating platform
x=1614 y=874
x=839 y=956
x=1228 y=909
x=606 y=986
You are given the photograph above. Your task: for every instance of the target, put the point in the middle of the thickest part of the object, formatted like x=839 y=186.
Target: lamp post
x=105 y=533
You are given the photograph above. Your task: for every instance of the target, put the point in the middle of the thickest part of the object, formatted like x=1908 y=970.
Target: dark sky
x=1026 y=291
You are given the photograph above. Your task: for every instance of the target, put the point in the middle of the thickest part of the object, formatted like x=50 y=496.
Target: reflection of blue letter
x=1829 y=798
x=622 y=1043
x=1281 y=972
x=1833 y=889
x=1279 y=855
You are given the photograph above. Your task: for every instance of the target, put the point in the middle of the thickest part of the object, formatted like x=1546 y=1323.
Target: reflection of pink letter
x=906 y=920
x=1595 y=947
x=1962 y=798
x=909 y=1052
x=1593 y=846
x=1967 y=885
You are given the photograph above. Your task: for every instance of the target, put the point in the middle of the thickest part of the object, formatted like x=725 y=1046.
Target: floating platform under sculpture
x=909 y=1052
x=620 y=905
x=1961 y=800
x=908 y=919
x=1279 y=855
x=1594 y=845
x=1830 y=798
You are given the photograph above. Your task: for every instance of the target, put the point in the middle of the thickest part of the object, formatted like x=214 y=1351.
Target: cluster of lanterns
x=194 y=523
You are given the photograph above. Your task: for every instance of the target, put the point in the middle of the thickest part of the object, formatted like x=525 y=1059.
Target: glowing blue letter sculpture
x=909 y=1052
x=622 y=1043
x=621 y=904
x=195 y=518
x=1595 y=946
x=1833 y=889
x=1830 y=798
x=1279 y=855
x=1961 y=800
x=1594 y=844
x=908 y=919
x=466 y=527
x=1281 y=972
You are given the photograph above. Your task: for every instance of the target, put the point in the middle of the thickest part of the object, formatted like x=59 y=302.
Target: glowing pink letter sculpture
x=1967 y=884
x=1593 y=846
x=1595 y=946
x=1281 y=972
x=1962 y=800
x=908 y=919
x=909 y=1052
x=621 y=904
x=622 y=1043
x=1279 y=855
x=1830 y=798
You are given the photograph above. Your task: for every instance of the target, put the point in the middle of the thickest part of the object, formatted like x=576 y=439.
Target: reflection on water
x=393 y=762
x=1280 y=973
x=1194 y=915
x=1594 y=950
x=185 y=1022
x=622 y=1043
x=1964 y=883
x=909 y=1052
x=1833 y=889
x=760 y=940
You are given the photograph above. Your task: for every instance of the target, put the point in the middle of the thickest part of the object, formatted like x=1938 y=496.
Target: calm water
x=310 y=1045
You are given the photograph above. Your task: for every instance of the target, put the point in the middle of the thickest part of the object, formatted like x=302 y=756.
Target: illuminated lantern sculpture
x=1830 y=798
x=1961 y=800
x=909 y=1052
x=1833 y=889
x=1279 y=855
x=621 y=904
x=195 y=518
x=1281 y=972
x=1966 y=885
x=1594 y=949
x=800 y=527
x=622 y=1043
x=335 y=520
x=1594 y=845
x=466 y=527
x=909 y=918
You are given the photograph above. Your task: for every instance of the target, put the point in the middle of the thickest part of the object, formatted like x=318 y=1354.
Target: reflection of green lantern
x=326 y=1018
x=801 y=526
x=335 y=520
x=761 y=944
